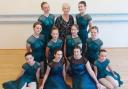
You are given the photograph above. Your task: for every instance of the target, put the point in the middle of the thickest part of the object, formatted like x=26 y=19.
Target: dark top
x=63 y=26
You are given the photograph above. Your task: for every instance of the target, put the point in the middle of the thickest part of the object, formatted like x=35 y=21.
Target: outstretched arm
x=91 y=73
x=45 y=77
x=21 y=73
x=110 y=68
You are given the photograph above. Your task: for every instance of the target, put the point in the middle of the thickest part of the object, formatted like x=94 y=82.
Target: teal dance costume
x=55 y=78
x=38 y=47
x=80 y=76
x=71 y=43
x=47 y=24
x=83 y=22
x=28 y=77
x=103 y=72
x=93 y=47
x=52 y=47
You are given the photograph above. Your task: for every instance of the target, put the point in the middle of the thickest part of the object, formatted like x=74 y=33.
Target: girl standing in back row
x=83 y=20
x=46 y=20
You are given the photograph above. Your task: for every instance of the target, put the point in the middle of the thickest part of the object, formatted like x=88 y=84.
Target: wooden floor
x=12 y=60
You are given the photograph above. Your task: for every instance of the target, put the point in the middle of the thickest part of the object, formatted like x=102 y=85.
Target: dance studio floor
x=12 y=60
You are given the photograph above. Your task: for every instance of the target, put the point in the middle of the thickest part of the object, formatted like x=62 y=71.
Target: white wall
x=33 y=6
x=17 y=17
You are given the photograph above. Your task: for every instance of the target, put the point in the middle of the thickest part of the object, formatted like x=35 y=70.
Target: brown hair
x=94 y=27
x=78 y=47
x=28 y=53
x=43 y=4
x=102 y=50
x=75 y=26
x=36 y=23
x=82 y=2
x=54 y=28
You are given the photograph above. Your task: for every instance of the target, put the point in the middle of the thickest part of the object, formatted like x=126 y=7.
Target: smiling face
x=102 y=56
x=77 y=52
x=94 y=33
x=74 y=30
x=55 y=34
x=65 y=8
x=29 y=59
x=37 y=29
x=46 y=8
x=58 y=55
x=81 y=8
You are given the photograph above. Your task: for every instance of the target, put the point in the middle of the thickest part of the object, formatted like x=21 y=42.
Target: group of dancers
x=59 y=48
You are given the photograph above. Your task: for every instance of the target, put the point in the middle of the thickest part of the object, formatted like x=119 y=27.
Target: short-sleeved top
x=47 y=24
x=63 y=26
x=93 y=47
x=83 y=22
x=101 y=67
x=71 y=43
x=38 y=47
x=78 y=65
x=53 y=46
x=30 y=71
x=56 y=67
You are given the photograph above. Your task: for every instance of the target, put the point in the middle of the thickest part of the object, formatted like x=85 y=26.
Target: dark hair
x=56 y=50
x=94 y=27
x=102 y=50
x=28 y=53
x=36 y=23
x=78 y=47
x=75 y=26
x=82 y=2
x=54 y=28
x=43 y=4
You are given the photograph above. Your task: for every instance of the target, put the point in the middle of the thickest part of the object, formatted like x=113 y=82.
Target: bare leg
x=32 y=85
x=113 y=81
x=106 y=83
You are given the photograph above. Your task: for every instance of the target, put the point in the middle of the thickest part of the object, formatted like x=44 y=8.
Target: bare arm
x=46 y=53
x=90 y=25
x=45 y=77
x=38 y=74
x=21 y=73
x=28 y=47
x=65 y=50
x=110 y=68
x=64 y=73
x=95 y=70
x=91 y=73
